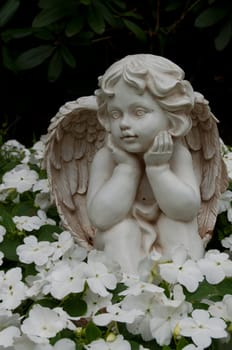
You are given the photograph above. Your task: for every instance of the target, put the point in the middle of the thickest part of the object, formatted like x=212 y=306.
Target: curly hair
x=162 y=78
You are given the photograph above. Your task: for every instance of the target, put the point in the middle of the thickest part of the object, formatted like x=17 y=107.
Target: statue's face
x=135 y=119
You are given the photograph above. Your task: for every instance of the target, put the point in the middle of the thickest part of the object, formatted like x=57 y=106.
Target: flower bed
x=56 y=295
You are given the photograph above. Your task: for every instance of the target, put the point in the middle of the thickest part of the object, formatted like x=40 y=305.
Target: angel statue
x=137 y=167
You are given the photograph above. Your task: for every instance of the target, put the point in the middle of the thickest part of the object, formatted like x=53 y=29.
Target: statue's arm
x=174 y=185
x=112 y=190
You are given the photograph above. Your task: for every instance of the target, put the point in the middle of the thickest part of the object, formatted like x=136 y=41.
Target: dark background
x=34 y=87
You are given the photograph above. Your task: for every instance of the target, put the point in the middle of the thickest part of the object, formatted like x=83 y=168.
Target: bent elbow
x=186 y=210
x=98 y=218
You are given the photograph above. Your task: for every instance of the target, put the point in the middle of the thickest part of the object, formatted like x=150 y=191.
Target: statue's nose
x=125 y=122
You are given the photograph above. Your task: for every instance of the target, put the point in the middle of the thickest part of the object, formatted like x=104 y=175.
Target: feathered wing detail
x=204 y=144
x=73 y=138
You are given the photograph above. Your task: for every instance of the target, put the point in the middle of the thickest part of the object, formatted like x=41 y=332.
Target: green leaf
x=134 y=345
x=8 y=10
x=74 y=26
x=46 y=232
x=95 y=20
x=92 y=332
x=17 y=33
x=173 y=5
x=210 y=17
x=84 y=38
x=48 y=16
x=6 y=220
x=55 y=66
x=134 y=28
x=75 y=306
x=46 y=4
x=7 y=60
x=29 y=270
x=8 y=247
x=85 y=2
x=24 y=208
x=48 y=302
x=118 y=3
x=224 y=36
x=132 y=14
x=210 y=291
x=34 y=57
x=107 y=14
x=181 y=344
x=44 y=34
x=68 y=57
x=80 y=347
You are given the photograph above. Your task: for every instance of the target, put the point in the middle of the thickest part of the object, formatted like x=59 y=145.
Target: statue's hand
x=120 y=156
x=161 y=150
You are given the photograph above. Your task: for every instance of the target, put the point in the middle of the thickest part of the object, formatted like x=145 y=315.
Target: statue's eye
x=140 y=112
x=115 y=114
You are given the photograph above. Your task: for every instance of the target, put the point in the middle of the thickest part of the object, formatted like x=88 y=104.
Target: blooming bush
x=56 y=295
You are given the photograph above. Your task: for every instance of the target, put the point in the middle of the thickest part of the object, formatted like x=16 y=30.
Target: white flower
x=27 y=223
x=186 y=272
x=22 y=178
x=41 y=185
x=64 y=243
x=165 y=319
x=8 y=335
x=228 y=160
x=43 y=323
x=160 y=314
x=43 y=200
x=225 y=204
x=65 y=278
x=95 y=302
x=140 y=287
x=192 y=347
x=222 y=309
x=227 y=242
x=145 y=303
x=12 y=146
x=119 y=343
x=37 y=282
x=98 y=277
x=30 y=223
x=135 y=286
x=215 y=266
x=1 y=258
x=37 y=152
x=12 y=289
x=115 y=313
x=24 y=343
x=76 y=254
x=16 y=149
x=97 y=256
x=64 y=343
x=224 y=201
x=34 y=251
x=3 y=192
x=202 y=328
x=9 y=328
x=44 y=219
x=2 y=233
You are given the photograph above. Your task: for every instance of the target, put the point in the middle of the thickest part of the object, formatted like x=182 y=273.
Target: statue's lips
x=128 y=137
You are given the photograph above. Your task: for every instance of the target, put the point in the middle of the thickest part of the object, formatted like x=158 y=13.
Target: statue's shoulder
x=103 y=159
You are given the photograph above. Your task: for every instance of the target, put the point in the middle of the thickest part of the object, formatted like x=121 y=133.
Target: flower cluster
x=56 y=295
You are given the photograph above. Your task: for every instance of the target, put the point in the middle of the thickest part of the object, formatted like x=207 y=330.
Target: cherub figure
x=138 y=167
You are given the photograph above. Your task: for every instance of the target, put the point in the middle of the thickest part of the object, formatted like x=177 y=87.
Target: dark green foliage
x=53 y=51
x=56 y=22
